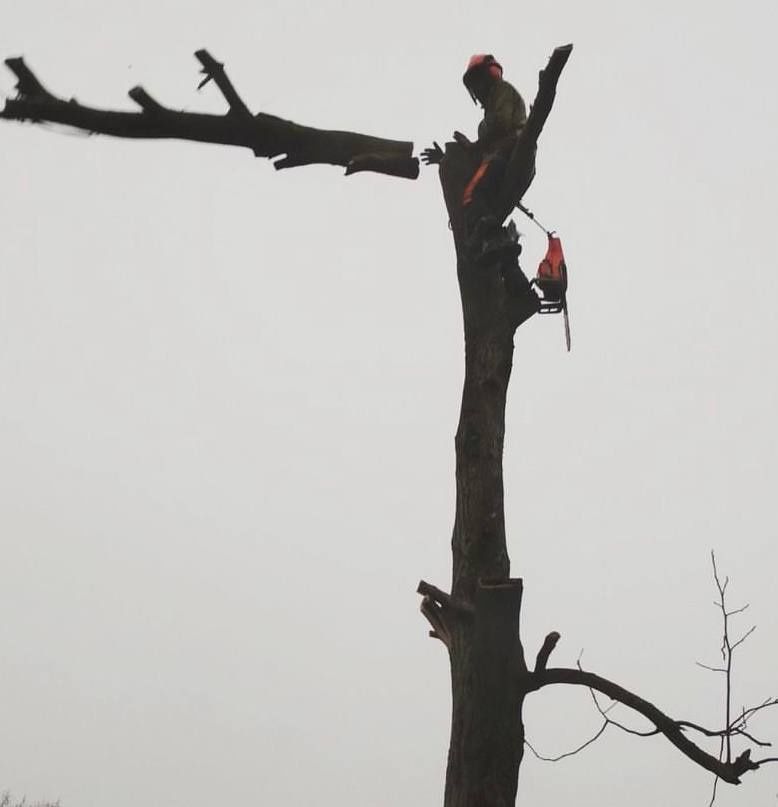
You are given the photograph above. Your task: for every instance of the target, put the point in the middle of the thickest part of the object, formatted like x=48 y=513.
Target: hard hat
x=481 y=64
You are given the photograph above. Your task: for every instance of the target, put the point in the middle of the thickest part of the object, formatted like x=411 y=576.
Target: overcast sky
x=229 y=395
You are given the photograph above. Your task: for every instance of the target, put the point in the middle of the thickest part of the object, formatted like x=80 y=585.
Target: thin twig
x=569 y=753
x=728 y=771
x=743 y=637
x=735 y=728
x=711 y=669
x=716 y=777
x=627 y=729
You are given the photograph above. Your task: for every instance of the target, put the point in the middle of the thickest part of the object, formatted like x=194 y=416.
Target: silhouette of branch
x=434 y=614
x=549 y=643
x=214 y=71
x=729 y=771
x=607 y=720
x=738 y=726
x=521 y=166
x=442 y=598
x=438 y=607
x=710 y=669
x=266 y=135
x=724 y=766
x=611 y=721
x=572 y=753
x=716 y=778
x=145 y=101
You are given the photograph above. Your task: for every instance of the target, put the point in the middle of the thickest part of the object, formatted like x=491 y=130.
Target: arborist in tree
x=504 y=116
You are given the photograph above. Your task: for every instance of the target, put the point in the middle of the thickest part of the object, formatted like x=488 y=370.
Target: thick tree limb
x=266 y=135
x=391 y=164
x=728 y=771
x=521 y=168
x=544 y=100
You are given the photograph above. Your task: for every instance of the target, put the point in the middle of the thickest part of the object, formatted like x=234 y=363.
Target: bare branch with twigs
x=724 y=765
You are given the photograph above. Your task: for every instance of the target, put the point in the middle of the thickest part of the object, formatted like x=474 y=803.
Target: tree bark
x=487 y=661
x=489 y=676
x=479 y=621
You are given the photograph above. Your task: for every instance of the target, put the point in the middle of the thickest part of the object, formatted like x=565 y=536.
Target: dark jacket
x=504 y=116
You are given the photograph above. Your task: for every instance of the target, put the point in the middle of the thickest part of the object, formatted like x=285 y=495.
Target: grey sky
x=229 y=398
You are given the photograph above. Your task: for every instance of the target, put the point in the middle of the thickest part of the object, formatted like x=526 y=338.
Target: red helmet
x=479 y=65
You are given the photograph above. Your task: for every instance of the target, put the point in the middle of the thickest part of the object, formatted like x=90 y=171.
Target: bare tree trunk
x=479 y=622
x=487 y=662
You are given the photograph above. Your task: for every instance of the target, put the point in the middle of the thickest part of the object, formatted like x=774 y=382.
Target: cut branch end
x=145 y=101
x=213 y=70
x=549 y=643
x=27 y=83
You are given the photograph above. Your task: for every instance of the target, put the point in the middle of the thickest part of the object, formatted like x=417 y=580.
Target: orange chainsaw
x=551 y=279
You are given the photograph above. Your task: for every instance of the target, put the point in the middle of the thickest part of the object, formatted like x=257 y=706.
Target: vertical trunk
x=487 y=662
x=479 y=622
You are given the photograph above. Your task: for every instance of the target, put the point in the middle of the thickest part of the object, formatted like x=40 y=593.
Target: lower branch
x=728 y=771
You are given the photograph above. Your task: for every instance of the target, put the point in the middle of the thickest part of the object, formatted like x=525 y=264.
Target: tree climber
x=504 y=116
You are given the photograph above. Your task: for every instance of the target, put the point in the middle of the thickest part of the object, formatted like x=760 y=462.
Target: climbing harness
x=551 y=278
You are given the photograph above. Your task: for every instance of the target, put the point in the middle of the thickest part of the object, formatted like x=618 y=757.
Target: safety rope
x=531 y=216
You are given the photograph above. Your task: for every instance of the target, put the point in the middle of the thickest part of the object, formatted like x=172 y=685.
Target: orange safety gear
x=467 y=196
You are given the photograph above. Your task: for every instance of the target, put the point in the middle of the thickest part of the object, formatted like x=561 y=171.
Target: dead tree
x=478 y=621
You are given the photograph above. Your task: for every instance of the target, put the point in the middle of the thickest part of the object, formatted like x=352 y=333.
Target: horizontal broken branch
x=266 y=135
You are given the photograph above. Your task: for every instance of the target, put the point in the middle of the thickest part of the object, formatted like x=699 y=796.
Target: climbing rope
x=531 y=216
